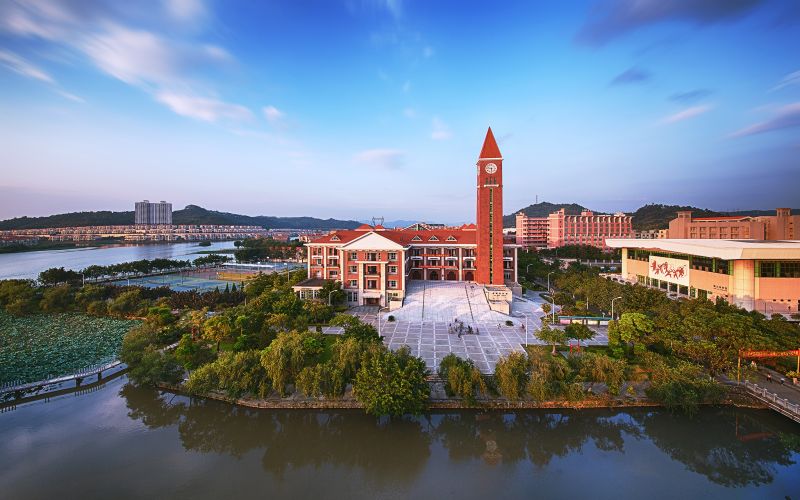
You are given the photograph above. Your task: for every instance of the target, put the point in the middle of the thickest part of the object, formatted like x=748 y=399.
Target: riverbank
x=734 y=397
x=40 y=247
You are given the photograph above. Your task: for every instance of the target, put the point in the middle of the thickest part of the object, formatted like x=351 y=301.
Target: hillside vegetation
x=192 y=214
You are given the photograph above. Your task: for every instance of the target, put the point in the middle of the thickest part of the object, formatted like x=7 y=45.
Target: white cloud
x=141 y=57
x=388 y=159
x=686 y=114
x=273 y=114
x=203 y=108
x=786 y=117
x=440 y=130
x=23 y=67
x=788 y=80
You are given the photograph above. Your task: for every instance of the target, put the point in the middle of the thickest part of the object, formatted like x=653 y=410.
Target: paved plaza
x=426 y=320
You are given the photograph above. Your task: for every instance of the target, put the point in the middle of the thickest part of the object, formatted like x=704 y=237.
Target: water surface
x=121 y=442
x=28 y=265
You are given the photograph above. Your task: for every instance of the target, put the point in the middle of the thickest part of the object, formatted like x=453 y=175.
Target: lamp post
x=548 y=280
x=612 y=307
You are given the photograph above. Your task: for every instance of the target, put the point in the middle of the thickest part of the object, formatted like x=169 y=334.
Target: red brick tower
x=490 y=213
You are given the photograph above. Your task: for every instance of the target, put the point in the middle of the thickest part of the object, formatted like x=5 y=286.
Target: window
x=353 y=283
x=433 y=238
x=392 y=284
x=333 y=273
x=372 y=256
x=372 y=284
x=789 y=270
x=335 y=238
x=451 y=238
x=353 y=255
x=392 y=269
x=352 y=269
x=416 y=238
x=372 y=269
x=352 y=296
x=392 y=255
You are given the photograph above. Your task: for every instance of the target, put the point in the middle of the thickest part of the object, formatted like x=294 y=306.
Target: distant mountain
x=657 y=216
x=192 y=214
x=543 y=209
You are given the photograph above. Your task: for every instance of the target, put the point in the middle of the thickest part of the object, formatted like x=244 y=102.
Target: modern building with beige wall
x=781 y=226
x=754 y=275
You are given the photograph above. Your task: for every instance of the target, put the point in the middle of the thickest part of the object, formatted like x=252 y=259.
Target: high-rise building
x=559 y=229
x=153 y=213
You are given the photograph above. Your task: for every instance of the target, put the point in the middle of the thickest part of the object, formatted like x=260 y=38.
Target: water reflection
x=734 y=449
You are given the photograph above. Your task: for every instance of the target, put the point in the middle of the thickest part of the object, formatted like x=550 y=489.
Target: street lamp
x=548 y=280
x=612 y=307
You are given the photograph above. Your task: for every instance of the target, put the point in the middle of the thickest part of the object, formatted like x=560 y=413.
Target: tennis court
x=204 y=280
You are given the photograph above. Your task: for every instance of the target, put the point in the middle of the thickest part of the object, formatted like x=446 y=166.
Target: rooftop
x=721 y=249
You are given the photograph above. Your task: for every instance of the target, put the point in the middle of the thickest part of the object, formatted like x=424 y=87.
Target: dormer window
x=416 y=238
x=335 y=238
x=433 y=238
x=451 y=238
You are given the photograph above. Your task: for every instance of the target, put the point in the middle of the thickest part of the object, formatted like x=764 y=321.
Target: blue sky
x=357 y=108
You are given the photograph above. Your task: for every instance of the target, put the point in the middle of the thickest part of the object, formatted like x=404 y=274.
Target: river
x=124 y=442
x=28 y=265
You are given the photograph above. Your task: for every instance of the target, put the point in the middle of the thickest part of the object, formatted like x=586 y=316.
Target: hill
x=657 y=216
x=542 y=209
x=192 y=214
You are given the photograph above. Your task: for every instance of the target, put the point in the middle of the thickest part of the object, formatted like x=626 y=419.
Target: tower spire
x=490 y=149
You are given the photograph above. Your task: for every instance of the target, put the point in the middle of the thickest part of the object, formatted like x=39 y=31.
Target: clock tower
x=489 y=222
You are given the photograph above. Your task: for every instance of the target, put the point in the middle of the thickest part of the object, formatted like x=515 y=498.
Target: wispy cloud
x=440 y=130
x=410 y=113
x=630 y=76
x=273 y=114
x=686 y=114
x=161 y=64
x=22 y=67
x=186 y=10
x=388 y=159
x=613 y=18
x=691 y=96
x=203 y=108
x=428 y=51
x=788 y=80
x=785 y=117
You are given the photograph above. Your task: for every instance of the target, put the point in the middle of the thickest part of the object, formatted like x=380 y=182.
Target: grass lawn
x=37 y=346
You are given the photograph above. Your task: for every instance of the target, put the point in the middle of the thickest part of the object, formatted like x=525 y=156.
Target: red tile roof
x=406 y=237
x=490 y=149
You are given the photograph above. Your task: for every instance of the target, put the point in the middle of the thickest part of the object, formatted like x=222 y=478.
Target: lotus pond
x=35 y=347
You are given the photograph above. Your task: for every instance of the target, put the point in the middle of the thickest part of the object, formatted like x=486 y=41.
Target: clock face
x=491 y=168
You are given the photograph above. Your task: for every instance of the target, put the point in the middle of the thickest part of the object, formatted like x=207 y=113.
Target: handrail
x=782 y=405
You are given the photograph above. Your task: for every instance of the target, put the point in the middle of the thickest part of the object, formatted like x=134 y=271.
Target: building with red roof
x=374 y=264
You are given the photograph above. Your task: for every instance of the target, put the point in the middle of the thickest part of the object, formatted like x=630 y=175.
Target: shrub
x=390 y=318
x=509 y=322
x=57 y=299
x=599 y=368
x=192 y=355
x=283 y=359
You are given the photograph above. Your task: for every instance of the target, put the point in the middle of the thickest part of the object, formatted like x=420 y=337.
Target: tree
x=218 y=329
x=283 y=359
x=632 y=329
x=18 y=296
x=323 y=379
x=160 y=316
x=511 y=375
x=355 y=328
x=155 y=366
x=599 y=368
x=392 y=383
x=578 y=331
x=127 y=303
x=461 y=378
x=57 y=276
x=192 y=354
x=57 y=299
x=549 y=335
